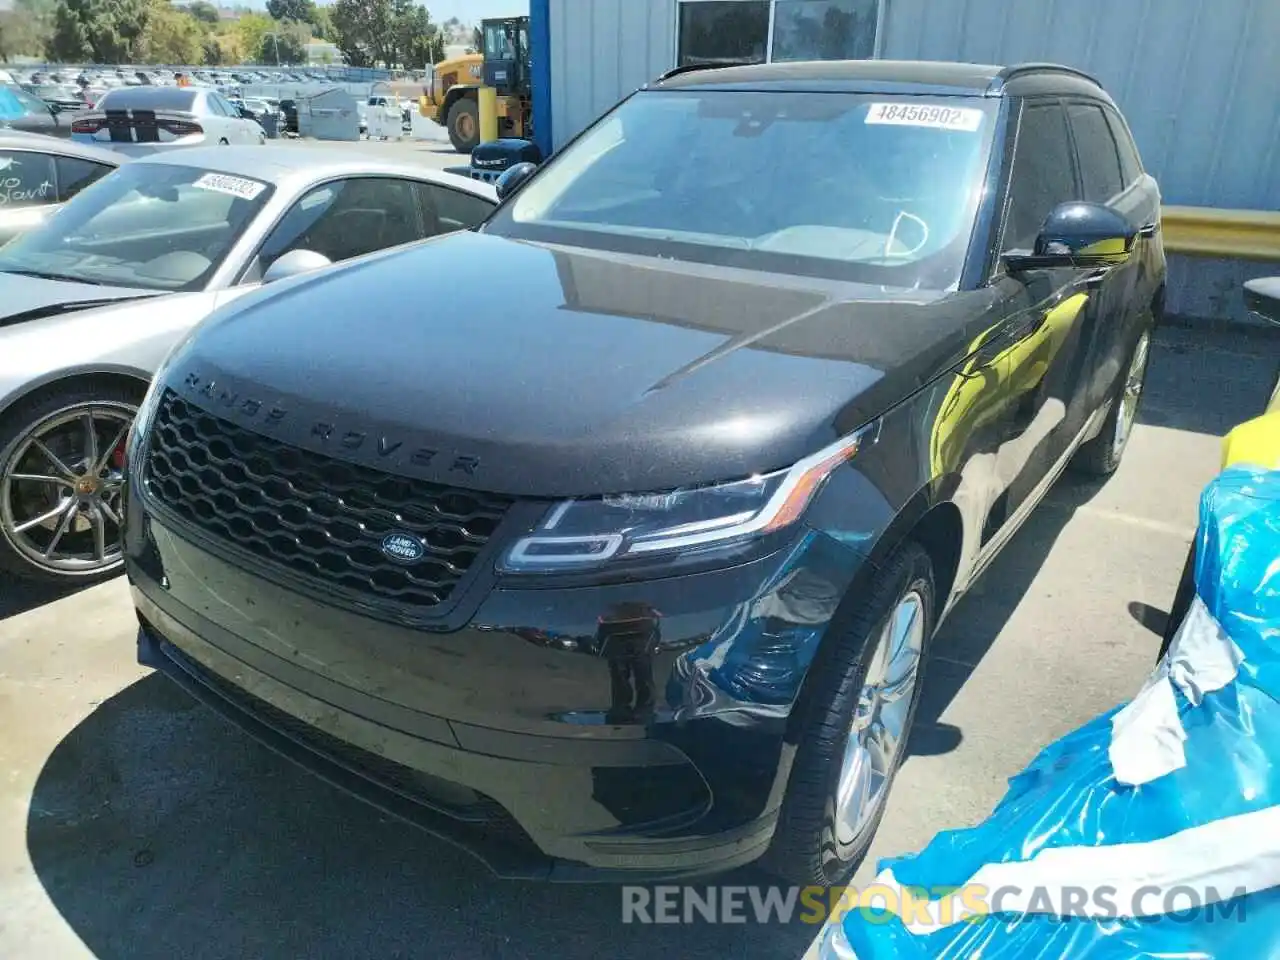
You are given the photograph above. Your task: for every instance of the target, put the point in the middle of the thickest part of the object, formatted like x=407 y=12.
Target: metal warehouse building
x=1198 y=80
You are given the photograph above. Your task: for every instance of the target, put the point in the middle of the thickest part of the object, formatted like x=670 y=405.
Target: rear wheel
x=1102 y=455
x=464 y=125
x=854 y=725
x=61 y=479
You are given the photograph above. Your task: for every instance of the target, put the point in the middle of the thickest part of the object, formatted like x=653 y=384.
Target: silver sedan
x=92 y=300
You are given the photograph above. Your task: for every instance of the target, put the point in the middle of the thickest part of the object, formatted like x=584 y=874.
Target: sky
x=473 y=11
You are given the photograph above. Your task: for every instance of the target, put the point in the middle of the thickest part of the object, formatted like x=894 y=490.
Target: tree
x=210 y=52
x=417 y=39
x=299 y=11
x=25 y=29
x=285 y=46
x=364 y=31
x=171 y=35
x=204 y=11
x=99 y=31
x=249 y=32
x=322 y=25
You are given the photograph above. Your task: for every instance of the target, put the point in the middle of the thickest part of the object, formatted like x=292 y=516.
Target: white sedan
x=142 y=120
x=94 y=298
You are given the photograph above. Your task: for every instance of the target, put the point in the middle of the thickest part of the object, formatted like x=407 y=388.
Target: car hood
x=543 y=371
x=25 y=298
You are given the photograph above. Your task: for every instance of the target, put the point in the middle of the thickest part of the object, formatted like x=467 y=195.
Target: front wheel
x=464 y=125
x=854 y=725
x=61 y=479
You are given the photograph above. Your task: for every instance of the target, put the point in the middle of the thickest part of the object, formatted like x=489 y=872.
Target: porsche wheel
x=61 y=480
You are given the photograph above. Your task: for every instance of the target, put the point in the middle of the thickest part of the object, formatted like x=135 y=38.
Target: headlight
x=580 y=534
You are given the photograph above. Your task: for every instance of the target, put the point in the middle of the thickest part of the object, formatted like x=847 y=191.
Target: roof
x=278 y=162
x=872 y=75
x=21 y=140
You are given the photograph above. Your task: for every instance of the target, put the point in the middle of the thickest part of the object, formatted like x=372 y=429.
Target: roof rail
x=1018 y=69
x=691 y=67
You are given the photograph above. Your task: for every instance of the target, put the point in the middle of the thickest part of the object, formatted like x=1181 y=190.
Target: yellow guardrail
x=1206 y=232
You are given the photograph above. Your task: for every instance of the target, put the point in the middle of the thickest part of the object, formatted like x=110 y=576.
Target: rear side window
x=1096 y=152
x=1042 y=175
x=1130 y=162
x=74 y=174
x=26 y=179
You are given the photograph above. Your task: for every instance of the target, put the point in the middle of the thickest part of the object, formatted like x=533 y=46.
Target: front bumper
x=521 y=737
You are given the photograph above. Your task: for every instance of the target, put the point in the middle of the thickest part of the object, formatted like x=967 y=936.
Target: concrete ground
x=134 y=825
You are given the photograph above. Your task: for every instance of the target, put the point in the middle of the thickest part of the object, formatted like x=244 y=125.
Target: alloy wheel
x=1131 y=394
x=60 y=489
x=878 y=733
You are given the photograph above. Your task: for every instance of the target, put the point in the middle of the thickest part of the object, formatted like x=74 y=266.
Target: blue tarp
x=1153 y=830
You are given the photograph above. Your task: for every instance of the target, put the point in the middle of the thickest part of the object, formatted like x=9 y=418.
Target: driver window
x=1042 y=176
x=344 y=219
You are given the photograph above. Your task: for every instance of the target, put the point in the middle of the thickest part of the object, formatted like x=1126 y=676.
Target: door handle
x=1149 y=230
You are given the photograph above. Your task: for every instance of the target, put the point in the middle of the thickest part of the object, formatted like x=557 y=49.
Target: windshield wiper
x=43 y=275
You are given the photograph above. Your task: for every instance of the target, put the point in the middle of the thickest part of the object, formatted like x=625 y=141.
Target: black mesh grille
x=311 y=514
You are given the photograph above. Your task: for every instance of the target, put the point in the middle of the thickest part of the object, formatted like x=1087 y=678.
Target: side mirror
x=1262 y=296
x=294 y=263
x=1079 y=234
x=513 y=178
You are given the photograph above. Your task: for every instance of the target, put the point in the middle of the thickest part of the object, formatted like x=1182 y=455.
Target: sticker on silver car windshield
x=966 y=119
x=241 y=187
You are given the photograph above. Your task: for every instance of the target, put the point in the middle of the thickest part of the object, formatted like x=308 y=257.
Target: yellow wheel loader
x=453 y=97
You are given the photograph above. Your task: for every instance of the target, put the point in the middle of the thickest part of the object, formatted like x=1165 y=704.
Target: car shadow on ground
x=979 y=617
x=158 y=831
x=19 y=596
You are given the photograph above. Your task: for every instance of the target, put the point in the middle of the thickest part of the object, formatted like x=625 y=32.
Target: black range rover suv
x=619 y=555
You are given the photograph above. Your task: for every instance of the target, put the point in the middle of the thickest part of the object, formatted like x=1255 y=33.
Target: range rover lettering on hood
x=268 y=417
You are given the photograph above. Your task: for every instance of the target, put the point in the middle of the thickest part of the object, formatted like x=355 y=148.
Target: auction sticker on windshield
x=241 y=187
x=967 y=119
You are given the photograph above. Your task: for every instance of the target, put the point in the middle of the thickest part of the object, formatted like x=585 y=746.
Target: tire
x=464 y=125
x=810 y=846
x=1101 y=456
x=113 y=408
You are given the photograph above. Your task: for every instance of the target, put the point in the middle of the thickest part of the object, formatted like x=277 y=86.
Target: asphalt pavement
x=134 y=825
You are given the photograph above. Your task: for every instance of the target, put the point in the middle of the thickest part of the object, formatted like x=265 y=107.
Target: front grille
x=311 y=514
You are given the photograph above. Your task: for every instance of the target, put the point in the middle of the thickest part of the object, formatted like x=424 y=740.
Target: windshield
x=149 y=225
x=871 y=188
